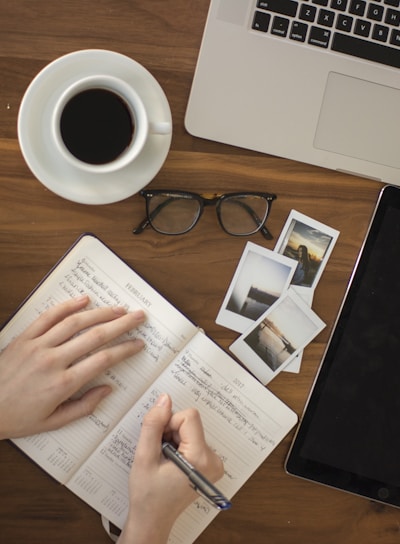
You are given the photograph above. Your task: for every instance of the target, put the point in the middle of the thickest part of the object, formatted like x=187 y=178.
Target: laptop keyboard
x=362 y=28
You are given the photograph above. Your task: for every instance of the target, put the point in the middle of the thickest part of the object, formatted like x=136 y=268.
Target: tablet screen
x=349 y=436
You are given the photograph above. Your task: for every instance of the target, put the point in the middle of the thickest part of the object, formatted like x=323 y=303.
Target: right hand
x=159 y=491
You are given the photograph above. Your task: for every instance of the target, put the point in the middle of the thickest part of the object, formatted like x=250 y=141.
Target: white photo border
x=310 y=233
x=245 y=349
x=247 y=271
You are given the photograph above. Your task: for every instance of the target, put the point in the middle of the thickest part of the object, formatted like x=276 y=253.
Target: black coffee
x=96 y=126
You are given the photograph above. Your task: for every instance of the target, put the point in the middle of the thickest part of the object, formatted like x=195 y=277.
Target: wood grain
x=193 y=271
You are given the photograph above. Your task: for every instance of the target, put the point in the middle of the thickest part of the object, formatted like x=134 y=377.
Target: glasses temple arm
x=265 y=232
x=140 y=228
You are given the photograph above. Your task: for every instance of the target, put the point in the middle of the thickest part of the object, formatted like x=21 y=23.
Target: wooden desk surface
x=193 y=271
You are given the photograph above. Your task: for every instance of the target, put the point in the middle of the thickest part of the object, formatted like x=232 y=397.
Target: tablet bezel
x=323 y=473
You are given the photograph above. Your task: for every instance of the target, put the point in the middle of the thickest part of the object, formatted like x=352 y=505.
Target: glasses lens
x=171 y=213
x=243 y=214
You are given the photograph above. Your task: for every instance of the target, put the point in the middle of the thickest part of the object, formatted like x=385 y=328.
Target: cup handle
x=162 y=127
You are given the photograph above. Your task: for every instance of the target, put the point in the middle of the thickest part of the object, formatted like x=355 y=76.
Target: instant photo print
x=309 y=243
x=277 y=337
x=261 y=277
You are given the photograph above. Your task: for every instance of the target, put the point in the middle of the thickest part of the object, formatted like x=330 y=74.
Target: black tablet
x=349 y=435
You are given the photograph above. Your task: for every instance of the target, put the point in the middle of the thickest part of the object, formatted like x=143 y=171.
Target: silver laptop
x=316 y=81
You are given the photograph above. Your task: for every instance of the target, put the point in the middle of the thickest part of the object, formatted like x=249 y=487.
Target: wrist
x=141 y=531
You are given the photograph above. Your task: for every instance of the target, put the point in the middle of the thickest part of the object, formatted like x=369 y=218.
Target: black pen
x=200 y=484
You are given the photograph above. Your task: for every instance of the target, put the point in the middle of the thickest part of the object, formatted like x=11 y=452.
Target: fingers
x=78 y=333
x=93 y=365
x=188 y=432
x=63 y=321
x=86 y=336
x=54 y=315
x=81 y=321
x=74 y=409
x=63 y=350
x=187 y=428
x=154 y=423
x=101 y=327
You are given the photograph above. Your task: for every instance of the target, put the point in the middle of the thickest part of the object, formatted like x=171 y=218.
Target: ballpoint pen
x=199 y=483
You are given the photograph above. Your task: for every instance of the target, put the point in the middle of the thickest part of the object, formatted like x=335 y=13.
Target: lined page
x=93 y=269
x=243 y=422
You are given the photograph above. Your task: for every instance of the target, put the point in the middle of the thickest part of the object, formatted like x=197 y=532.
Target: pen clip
x=216 y=499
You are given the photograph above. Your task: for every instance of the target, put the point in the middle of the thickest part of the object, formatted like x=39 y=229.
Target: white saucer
x=40 y=152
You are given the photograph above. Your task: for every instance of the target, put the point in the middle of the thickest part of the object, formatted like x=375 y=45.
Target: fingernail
x=162 y=400
x=81 y=298
x=139 y=315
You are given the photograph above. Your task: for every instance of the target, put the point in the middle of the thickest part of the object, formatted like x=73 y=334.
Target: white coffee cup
x=99 y=93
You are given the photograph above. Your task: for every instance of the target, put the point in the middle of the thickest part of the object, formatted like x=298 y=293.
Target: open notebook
x=243 y=421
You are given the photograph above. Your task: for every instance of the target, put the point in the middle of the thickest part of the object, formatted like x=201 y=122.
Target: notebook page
x=243 y=422
x=93 y=269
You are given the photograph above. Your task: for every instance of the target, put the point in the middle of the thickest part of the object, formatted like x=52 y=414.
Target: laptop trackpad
x=360 y=119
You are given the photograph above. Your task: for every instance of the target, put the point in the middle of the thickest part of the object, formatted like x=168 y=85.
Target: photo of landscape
x=261 y=282
x=282 y=332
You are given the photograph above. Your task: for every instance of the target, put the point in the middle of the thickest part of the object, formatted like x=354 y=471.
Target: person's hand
x=159 y=491
x=61 y=351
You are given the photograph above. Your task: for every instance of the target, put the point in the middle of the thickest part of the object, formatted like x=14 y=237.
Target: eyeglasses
x=177 y=212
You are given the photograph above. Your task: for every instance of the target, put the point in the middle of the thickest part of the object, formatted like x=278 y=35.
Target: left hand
x=60 y=352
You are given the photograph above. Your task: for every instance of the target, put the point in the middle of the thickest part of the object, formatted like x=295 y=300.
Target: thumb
x=153 y=428
x=72 y=410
